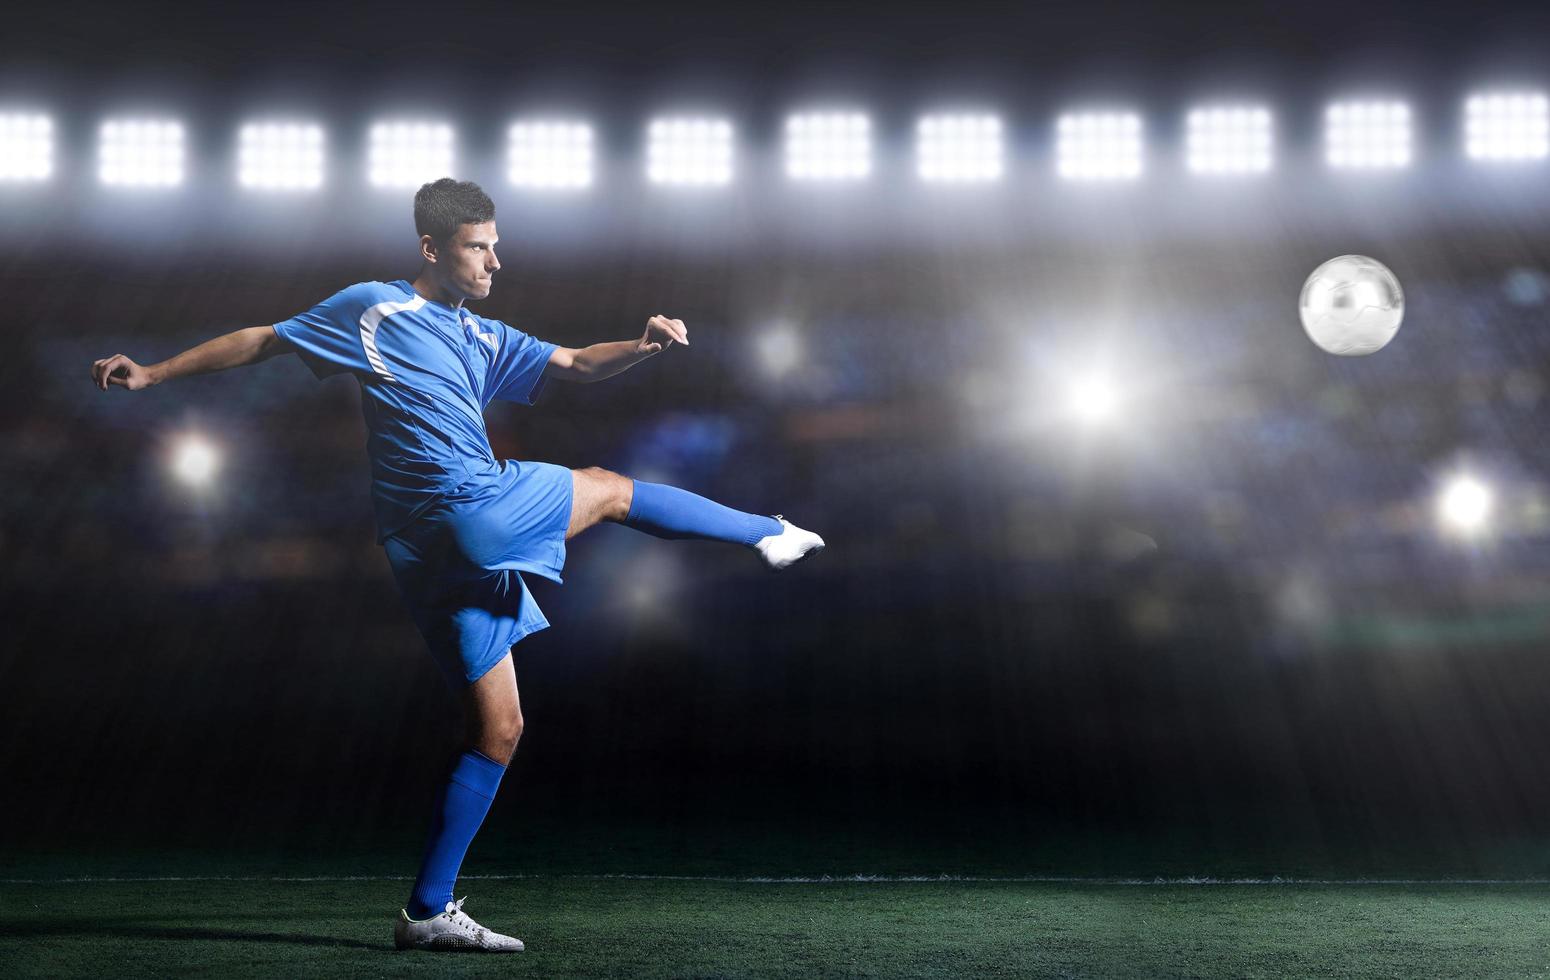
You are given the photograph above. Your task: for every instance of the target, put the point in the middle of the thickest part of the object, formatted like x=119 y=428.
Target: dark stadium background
x=1227 y=627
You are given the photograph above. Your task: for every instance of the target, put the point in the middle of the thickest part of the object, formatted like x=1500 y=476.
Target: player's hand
x=119 y=370
x=660 y=334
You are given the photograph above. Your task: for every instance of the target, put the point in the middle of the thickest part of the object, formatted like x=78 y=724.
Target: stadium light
x=651 y=599
x=195 y=461
x=959 y=149
x=1228 y=140
x=550 y=154
x=140 y=153
x=1367 y=135
x=26 y=147
x=1464 y=506
x=1098 y=146
x=407 y=154
x=1093 y=398
x=828 y=146
x=281 y=156
x=1507 y=126
x=689 y=152
x=780 y=350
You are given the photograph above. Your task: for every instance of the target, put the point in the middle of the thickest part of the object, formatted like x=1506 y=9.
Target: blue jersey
x=426 y=370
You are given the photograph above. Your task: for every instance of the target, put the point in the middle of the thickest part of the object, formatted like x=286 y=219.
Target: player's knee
x=496 y=737
x=614 y=490
x=499 y=739
x=510 y=733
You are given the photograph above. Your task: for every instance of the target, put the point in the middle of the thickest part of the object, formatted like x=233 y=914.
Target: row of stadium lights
x=833 y=146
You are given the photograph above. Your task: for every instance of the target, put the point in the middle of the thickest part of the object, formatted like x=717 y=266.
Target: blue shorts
x=457 y=564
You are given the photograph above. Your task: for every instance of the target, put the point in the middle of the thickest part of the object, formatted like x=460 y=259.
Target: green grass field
x=595 y=926
x=617 y=893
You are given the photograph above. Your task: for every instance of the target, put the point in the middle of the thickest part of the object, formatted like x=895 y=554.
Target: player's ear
x=427 y=248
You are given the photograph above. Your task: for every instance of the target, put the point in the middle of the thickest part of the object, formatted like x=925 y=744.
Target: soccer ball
x=1351 y=305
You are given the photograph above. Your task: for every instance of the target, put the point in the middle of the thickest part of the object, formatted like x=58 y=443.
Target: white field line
x=806 y=880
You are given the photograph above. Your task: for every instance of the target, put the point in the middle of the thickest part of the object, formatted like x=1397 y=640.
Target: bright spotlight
x=195 y=461
x=689 y=152
x=959 y=149
x=26 y=147
x=1464 y=506
x=407 y=154
x=1093 y=398
x=1228 y=140
x=1367 y=135
x=550 y=155
x=1507 y=126
x=1098 y=146
x=651 y=592
x=780 y=350
x=828 y=146
x=140 y=153
x=280 y=156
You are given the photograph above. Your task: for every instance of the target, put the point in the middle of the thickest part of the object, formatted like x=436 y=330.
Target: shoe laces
x=461 y=918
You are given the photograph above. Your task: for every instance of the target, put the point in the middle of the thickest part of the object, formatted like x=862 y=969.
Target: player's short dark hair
x=443 y=206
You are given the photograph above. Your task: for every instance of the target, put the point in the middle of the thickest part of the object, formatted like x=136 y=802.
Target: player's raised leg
x=668 y=512
x=433 y=920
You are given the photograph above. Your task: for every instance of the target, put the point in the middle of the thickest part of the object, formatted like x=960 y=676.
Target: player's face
x=468 y=262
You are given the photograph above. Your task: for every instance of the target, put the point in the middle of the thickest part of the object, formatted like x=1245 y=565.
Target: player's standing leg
x=432 y=919
x=668 y=512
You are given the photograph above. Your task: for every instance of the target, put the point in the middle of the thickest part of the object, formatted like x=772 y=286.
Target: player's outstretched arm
x=247 y=346
x=601 y=361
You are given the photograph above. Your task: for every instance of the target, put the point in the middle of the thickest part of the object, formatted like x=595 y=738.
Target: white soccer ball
x=1351 y=305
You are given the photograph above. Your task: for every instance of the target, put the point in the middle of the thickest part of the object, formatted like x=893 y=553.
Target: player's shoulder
x=372 y=292
x=349 y=304
x=490 y=323
x=502 y=327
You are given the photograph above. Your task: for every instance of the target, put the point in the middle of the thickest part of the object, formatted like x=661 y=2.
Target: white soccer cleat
x=452 y=930
x=788 y=547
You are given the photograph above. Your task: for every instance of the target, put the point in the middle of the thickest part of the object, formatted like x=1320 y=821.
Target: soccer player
x=459 y=525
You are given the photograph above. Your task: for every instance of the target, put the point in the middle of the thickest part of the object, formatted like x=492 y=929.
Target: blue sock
x=669 y=512
x=470 y=788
